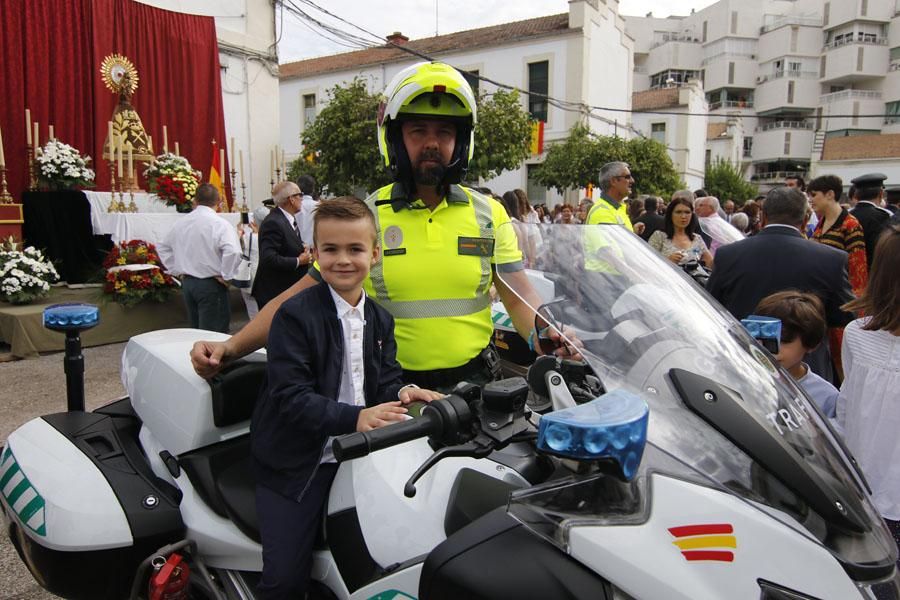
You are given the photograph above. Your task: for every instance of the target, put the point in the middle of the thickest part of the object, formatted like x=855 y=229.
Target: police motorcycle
x=677 y=461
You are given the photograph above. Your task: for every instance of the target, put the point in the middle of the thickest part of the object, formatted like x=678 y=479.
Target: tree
x=502 y=135
x=575 y=162
x=341 y=143
x=725 y=181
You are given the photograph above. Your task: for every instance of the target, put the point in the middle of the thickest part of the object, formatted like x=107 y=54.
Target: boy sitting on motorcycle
x=332 y=370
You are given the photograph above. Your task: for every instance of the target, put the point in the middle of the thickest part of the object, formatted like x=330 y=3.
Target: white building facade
x=245 y=30
x=797 y=72
x=571 y=56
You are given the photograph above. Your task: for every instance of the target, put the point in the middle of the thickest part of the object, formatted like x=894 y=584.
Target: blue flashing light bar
x=74 y=315
x=613 y=426
x=762 y=328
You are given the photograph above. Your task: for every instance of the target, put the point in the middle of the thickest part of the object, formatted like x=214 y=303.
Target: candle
x=2 y=158
x=119 y=157
x=112 y=140
x=150 y=144
x=52 y=135
x=177 y=149
x=37 y=144
x=165 y=139
x=283 y=167
x=130 y=161
x=222 y=163
x=241 y=160
x=28 y=126
x=231 y=162
x=272 y=165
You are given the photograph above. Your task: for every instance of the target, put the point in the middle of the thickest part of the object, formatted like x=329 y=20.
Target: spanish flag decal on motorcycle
x=705 y=542
x=20 y=495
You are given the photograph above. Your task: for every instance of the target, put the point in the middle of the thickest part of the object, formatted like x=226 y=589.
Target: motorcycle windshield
x=643 y=325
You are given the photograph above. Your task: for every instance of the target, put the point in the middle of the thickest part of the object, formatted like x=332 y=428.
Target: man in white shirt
x=307 y=186
x=203 y=249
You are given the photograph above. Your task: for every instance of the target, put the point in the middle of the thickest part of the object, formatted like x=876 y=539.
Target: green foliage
x=502 y=135
x=725 y=181
x=575 y=162
x=342 y=143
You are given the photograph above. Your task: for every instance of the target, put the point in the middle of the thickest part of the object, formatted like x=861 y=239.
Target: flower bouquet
x=25 y=275
x=173 y=180
x=134 y=274
x=59 y=166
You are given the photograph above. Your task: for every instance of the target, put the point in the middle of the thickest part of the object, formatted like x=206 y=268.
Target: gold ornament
x=119 y=75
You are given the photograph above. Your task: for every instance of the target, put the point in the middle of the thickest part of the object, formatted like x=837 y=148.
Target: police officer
x=615 y=186
x=442 y=243
x=868 y=210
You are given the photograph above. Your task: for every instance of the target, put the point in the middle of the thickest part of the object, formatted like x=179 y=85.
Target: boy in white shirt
x=332 y=370
x=803 y=328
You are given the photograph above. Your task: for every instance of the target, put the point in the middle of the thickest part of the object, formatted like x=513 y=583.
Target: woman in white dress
x=868 y=407
x=678 y=240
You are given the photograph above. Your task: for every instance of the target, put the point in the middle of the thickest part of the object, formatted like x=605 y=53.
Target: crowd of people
x=826 y=270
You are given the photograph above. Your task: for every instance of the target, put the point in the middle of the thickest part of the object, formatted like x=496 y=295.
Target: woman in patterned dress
x=839 y=229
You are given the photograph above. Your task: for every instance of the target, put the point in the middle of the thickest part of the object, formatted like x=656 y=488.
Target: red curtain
x=51 y=51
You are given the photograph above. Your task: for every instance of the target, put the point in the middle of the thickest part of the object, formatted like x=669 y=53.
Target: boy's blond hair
x=343 y=208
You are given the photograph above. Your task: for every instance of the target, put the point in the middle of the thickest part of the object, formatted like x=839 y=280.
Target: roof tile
x=861 y=147
x=653 y=99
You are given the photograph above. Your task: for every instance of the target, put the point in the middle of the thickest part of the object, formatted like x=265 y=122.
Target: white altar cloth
x=151 y=223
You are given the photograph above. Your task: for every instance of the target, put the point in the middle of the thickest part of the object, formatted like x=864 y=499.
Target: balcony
x=849 y=95
x=731 y=104
x=861 y=39
x=785 y=125
x=846 y=110
x=776 y=175
x=784 y=21
x=789 y=74
x=727 y=55
x=855 y=61
x=676 y=37
x=731 y=72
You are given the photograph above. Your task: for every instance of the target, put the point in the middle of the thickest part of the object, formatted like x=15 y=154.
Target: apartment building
x=797 y=73
x=571 y=56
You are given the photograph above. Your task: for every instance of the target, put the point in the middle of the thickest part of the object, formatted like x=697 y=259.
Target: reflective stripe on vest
x=443 y=307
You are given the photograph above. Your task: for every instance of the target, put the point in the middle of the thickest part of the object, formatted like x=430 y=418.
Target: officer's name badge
x=473 y=246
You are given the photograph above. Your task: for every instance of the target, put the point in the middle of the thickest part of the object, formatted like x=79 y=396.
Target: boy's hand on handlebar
x=414 y=394
x=207 y=358
x=380 y=415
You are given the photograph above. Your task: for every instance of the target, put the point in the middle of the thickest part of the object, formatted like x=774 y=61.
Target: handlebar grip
x=356 y=445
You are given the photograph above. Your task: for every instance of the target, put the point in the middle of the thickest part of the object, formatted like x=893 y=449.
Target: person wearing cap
x=442 y=243
x=868 y=211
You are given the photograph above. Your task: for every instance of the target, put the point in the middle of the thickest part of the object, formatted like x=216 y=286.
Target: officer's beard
x=432 y=174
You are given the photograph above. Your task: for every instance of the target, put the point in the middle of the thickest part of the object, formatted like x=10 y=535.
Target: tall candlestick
x=119 y=157
x=112 y=140
x=2 y=158
x=241 y=162
x=232 y=161
x=28 y=126
x=177 y=149
x=222 y=164
x=272 y=165
x=165 y=140
x=52 y=135
x=37 y=143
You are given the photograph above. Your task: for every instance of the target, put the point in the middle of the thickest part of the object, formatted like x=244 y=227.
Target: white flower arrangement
x=60 y=166
x=25 y=275
x=173 y=180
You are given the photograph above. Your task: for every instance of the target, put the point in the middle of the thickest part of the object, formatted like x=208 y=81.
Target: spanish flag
x=214 y=171
x=537 y=137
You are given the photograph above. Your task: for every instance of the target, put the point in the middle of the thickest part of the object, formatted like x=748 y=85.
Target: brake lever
x=472 y=449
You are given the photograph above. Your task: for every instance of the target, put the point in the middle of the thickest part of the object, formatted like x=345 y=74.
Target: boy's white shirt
x=353 y=372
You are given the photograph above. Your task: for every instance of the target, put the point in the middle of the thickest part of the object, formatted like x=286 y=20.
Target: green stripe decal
x=10 y=473
x=32 y=515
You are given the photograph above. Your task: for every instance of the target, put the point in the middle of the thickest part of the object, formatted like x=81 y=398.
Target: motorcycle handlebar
x=445 y=416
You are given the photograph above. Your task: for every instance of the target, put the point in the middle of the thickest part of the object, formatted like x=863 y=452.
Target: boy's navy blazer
x=298 y=408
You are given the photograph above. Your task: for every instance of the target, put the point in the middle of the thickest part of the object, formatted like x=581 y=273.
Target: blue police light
x=75 y=315
x=762 y=328
x=613 y=426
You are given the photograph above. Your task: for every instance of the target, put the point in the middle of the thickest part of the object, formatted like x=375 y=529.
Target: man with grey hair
x=615 y=187
x=779 y=258
x=283 y=255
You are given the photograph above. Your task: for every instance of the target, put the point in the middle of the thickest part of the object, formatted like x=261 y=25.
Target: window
x=822 y=67
x=869 y=38
x=795 y=67
x=731 y=72
x=892 y=112
x=825 y=12
x=748 y=145
x=895 y=54
x=537 y=194
x=672 y=78
x=472 y=78
x=734 y=21
x=538 y=83
x=309 y=108
x=703 y=38
x=658 y=132
x=859 y=58
x=795 y=31
x=790 y=95
x=787 y=143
